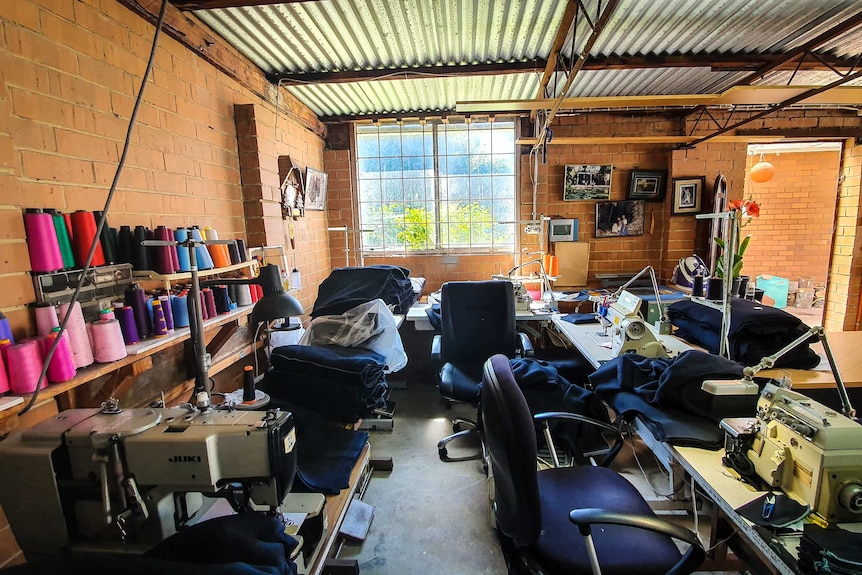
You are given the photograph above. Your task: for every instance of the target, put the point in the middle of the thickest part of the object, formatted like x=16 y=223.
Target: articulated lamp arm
x=768 y=362
x=651 y=270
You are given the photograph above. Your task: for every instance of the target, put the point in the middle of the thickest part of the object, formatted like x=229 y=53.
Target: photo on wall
x=623 y=218
x=587 y=182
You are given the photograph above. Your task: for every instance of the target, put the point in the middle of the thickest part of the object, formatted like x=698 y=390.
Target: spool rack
x=166 y=279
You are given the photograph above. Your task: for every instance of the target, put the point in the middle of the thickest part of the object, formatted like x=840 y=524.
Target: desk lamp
x=768 y=362
x=546 y=283
x=662 y=324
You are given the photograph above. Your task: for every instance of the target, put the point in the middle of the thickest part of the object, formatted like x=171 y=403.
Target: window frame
x=439 y=178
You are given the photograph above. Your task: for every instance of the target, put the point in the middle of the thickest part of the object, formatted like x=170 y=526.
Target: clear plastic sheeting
x=369 y=325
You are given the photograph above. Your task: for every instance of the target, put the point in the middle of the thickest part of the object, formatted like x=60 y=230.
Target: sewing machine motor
x=809 y=451
x=96 y=480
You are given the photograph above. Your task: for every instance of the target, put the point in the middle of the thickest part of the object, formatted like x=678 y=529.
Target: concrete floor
x=432 y=516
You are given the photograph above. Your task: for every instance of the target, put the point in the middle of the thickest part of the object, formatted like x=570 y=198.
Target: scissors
x=768 y=506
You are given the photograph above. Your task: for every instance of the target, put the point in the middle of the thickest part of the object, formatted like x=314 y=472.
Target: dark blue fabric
x=325 y=453
x=344 y=384
x=580 y=318
x=667 y=394
x=434 y=316
x=756 y=331
x=346 y=288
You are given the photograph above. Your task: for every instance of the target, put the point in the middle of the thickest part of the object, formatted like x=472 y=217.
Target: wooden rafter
x=716 y=62
x=188 y=30
x=562 y=32
x=490 y=68
x=211 y=4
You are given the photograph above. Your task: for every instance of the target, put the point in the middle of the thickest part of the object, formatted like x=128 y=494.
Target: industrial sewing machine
x=522 y=296
x=114 y=479
x=629 y=333
x=810 y=452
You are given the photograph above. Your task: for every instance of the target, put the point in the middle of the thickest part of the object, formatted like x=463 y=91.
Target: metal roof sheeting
x=351 y=35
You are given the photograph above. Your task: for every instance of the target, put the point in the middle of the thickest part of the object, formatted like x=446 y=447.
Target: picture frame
x=620 y=218
x=292 y=190
x=563 y=230
x=315 y=189
x=587 y=182
x=647 y=185
x=688 y=195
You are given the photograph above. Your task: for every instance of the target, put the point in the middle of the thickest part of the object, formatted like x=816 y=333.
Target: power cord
x=101 y=224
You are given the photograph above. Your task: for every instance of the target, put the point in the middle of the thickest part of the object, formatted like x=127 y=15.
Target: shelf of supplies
x=187 y=276
x=137 y=352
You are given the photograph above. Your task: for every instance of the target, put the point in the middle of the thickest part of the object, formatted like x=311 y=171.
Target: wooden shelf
x=166 y=279
x=136 y=353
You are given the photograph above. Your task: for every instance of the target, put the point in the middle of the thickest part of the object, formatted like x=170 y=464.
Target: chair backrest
x=510 y=437
x=477 y=321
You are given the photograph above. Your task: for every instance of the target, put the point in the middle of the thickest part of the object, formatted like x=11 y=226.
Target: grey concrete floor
x=432 y=516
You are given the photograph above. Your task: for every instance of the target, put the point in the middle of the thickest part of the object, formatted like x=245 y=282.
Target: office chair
x=477 y=321
x=541 y=515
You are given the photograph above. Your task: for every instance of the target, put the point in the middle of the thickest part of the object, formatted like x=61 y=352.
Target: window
x=437 y=187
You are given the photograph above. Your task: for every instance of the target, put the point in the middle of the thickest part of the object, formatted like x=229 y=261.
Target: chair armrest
x=690 y=561
x=543 y=418
x=437 y=348
x=526 y=345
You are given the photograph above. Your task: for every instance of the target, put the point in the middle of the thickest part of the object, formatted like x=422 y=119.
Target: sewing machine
x=629 y=333
x=522 y=297
x=114 y=479
x=810 y=452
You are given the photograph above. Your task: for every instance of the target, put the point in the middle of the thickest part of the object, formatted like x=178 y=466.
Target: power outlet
x=533 y=229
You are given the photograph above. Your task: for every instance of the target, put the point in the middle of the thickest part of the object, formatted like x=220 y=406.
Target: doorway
x=792 y=238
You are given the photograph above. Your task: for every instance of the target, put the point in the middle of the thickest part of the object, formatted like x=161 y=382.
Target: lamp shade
x=275 y=306
x=762 y=172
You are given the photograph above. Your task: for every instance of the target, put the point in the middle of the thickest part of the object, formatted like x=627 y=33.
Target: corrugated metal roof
x=415 y=95
x=371 y=34
x=353 y=35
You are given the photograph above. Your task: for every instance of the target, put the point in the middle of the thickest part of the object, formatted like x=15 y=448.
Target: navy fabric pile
x=830 y=551
x=344 y=384
x=346 y=288
x=756 y=331
x=666 y=394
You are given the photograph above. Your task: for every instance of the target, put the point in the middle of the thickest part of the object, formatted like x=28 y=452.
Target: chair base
x=443 y=452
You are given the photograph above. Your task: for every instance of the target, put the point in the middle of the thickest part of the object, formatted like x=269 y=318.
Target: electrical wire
x=82 y=278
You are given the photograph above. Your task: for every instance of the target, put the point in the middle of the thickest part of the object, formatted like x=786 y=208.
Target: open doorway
x=791 y=241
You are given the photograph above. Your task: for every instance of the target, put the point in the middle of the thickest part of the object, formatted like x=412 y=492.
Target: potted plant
x=745 y=210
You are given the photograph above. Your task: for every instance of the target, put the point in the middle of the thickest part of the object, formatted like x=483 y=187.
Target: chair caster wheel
x=456 y=428
x=443 y=453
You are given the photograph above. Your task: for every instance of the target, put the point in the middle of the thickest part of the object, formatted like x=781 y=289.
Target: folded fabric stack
x=341 y=383
x=756 y=331
x=830 y=551
x=346 y=288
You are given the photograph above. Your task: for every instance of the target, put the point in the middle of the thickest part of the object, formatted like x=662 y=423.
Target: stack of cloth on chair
x=344 y=384
x=348 y=287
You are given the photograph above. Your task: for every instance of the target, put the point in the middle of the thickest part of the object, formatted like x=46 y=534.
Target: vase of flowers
x=741 y=213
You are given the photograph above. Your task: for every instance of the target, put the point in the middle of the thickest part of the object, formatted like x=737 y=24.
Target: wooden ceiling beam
x=212 y=4
x=716 y=62
x=189 y=31
x=413 y=72
x=562 y=32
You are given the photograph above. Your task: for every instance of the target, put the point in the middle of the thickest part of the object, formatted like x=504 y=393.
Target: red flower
x=753 y=208
x=735 y=205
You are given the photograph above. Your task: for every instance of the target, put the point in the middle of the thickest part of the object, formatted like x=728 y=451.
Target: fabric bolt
x=346 y=288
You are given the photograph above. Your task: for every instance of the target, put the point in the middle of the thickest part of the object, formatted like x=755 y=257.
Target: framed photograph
x=587 y=182
x=649 y=186
x=563 y=230
x=687 y=195
x=623 y=218
x=315 y=189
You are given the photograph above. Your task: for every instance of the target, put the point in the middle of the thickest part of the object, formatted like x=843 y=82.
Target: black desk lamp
x=275 y=303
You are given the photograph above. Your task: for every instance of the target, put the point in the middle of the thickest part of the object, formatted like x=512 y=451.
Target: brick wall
x=793 y=236
x=845 y=271
x=69 y=72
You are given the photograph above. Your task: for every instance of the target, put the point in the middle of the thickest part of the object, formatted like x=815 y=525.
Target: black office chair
x=478 y=321
x=540 y=514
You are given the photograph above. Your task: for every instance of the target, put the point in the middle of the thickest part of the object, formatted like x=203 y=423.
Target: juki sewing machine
x=522 y=296
x=809 y=451
x=125 y=479
x=629 y=333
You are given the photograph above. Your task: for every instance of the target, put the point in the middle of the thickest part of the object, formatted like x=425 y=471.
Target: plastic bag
x=370 y=325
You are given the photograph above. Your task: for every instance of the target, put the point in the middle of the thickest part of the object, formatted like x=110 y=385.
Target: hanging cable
x=82 y=278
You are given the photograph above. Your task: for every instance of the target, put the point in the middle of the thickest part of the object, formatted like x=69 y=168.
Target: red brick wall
x=69 y=72
x=793 y=236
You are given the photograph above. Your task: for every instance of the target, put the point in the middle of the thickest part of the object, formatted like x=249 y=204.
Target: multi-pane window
x=436 y=186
